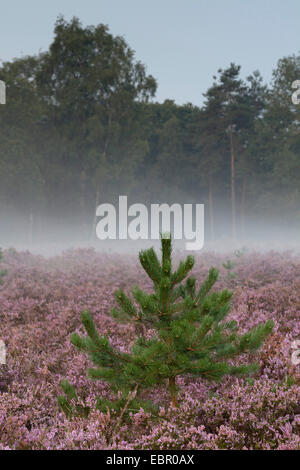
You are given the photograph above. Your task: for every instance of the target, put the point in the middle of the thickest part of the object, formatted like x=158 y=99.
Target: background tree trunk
x=243 y=202
x=211 y=209
x=93 y=230
x=232 y=184
x=30 y=228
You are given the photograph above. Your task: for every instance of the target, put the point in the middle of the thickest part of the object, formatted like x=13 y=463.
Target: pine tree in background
x=191 y=335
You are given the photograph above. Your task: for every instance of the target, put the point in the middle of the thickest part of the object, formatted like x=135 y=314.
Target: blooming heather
x=41 y=301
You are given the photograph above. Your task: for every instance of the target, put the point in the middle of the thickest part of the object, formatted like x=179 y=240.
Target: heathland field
x=41 y=300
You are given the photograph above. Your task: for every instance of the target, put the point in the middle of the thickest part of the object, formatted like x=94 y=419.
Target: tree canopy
x=81 y=121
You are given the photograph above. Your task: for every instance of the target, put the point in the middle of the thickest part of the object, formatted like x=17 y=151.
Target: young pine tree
x=4 y=377
x=192 y=336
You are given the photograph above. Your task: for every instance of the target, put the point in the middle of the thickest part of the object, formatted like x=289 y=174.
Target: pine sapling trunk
x=173 y=392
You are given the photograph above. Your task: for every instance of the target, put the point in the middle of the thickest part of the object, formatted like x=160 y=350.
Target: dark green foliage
x=69 y=403
x=80 y=122
x=229 y=265
x=192 y=336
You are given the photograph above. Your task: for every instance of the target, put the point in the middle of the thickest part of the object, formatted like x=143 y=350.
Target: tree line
x=81 y=126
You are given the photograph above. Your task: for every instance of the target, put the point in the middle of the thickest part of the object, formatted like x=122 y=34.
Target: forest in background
x=81 y=126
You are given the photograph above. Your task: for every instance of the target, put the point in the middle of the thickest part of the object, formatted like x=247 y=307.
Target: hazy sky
x=183 y=43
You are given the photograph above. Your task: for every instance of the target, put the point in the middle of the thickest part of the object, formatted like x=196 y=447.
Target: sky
x=182 y=43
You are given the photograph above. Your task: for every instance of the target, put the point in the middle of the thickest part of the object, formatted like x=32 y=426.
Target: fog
x=52 y=236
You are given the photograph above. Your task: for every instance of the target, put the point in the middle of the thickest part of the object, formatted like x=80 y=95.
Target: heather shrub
x=41 y=303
